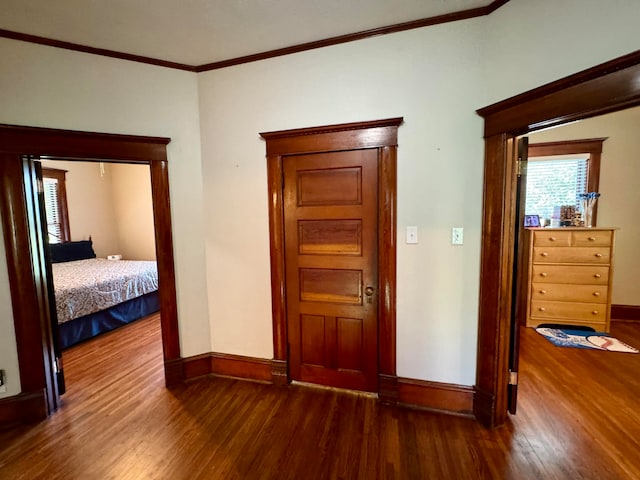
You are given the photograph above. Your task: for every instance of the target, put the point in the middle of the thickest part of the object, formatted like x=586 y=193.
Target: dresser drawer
x=574 y=274
x=598 y=238
x=552 y=238
x=569 y=293
x=594 y=312
x=597 y=255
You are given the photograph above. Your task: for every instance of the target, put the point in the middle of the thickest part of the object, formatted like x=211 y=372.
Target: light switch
x=412 y=234
x=457 y=237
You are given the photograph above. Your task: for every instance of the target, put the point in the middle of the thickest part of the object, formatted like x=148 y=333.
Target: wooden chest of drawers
x=569 y=276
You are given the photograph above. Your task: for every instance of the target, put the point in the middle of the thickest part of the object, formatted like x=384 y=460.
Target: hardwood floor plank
x=577 y=418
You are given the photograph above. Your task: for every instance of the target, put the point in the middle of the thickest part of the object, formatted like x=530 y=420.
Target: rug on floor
x=567 y=337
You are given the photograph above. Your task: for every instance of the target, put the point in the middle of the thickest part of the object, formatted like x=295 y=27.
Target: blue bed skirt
x=83 y=328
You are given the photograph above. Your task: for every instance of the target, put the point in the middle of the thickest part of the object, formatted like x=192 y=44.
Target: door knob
x=369 y=293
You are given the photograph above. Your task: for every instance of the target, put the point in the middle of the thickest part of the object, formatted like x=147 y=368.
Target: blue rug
x=584 y=339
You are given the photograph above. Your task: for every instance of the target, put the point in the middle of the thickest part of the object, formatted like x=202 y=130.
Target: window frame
x=63 y=209
x=592 y=147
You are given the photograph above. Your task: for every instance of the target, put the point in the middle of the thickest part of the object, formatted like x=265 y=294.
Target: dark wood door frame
x=33 y=335
x=381 y=135
x=606 y=88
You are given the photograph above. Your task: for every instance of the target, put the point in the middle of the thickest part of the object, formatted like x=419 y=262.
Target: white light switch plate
x=412 y=234
x=457 y=236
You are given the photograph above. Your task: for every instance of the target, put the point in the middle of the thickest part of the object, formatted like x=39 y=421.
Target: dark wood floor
x=578 y=418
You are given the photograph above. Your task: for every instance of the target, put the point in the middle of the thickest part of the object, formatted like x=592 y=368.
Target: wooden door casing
x=606 y=88
x=330 y=212
x=380 y=135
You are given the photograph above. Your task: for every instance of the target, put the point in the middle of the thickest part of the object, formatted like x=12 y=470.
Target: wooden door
x=520 y=272
x=331 y=232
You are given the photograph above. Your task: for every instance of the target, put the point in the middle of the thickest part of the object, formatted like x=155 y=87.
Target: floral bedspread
x=88 y=286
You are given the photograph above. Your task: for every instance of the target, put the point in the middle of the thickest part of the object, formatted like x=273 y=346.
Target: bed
x=96 y=295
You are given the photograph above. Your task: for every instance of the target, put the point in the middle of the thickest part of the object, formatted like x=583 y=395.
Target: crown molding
x=303 y=47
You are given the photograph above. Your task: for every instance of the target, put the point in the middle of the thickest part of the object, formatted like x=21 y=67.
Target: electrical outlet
x=457 y=236
x=3 y=382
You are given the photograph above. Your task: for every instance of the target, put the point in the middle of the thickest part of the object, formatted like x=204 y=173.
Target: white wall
x=133 y=207
x=48 y=87
x=533 y=42
x=423 y=75
x=619 y=203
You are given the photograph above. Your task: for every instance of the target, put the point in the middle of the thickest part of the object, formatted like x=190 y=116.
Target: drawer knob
x=542 y=292
x=597 y=275
x=542 y=309
x=592 y=239
x=552 y=239
x=595 y=312
x=543 y=274
x=596 y=294
x=598 y=255
x=544 y=254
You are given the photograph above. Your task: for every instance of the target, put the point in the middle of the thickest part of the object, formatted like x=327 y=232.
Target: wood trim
x=164 y=255
x=229 y=365
x=196 y=366
x=381 y=134
x=352 y=37
x=275 y=179
x=378 y=133
x=602 y=89
x=387 y=214
x=279 y=52
x=29 y=320
x=279 y=374
x=33 y=338
x=625 y=312
x=29 y=407
x=605 y=88
x=441 y=397
x=84 y=145
x=388 y=389
x=50 y=42
x=238 y=366
x=566 y=147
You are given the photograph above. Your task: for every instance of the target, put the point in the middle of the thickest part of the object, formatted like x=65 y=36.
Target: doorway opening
x=27 y=280
x=603 y=89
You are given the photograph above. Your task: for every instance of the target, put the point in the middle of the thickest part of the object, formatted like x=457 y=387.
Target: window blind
x=552 y=182
x=52 y=209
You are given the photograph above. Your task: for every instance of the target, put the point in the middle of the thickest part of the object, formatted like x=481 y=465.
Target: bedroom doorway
x=606 y=88
x=96 y=224
x=27 y=280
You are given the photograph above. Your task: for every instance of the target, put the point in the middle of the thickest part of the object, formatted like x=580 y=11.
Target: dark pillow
x=70 y=251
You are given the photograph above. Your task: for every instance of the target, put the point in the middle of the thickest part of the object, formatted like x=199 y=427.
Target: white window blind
x=554 y=182
x=52 y=209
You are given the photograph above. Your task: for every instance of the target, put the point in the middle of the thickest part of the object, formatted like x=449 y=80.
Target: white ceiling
x=197 y=32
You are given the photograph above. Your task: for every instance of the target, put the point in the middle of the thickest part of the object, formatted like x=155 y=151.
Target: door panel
x=518 y=299
x=330 y=214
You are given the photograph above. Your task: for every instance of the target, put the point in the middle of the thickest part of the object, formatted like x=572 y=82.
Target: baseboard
x=625 y=313
x=388 y=389
x=236 y=366
x=441 y=397
x=24 y=408
x=484 y=408
x=174 y=372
